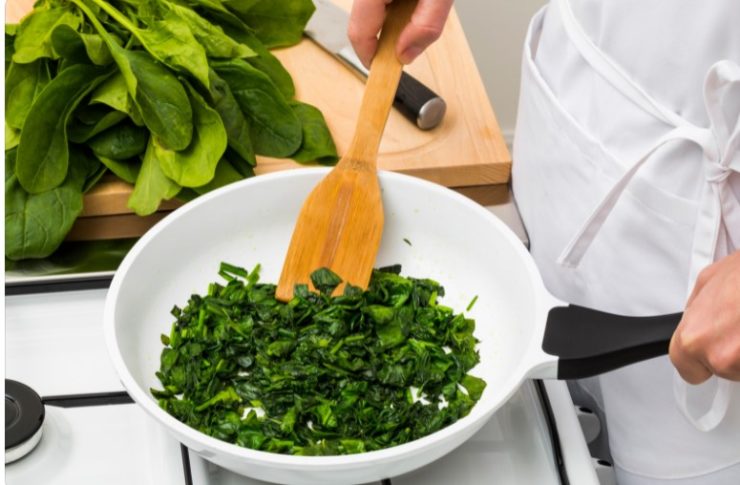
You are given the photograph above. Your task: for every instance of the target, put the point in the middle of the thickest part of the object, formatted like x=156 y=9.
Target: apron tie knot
x=720 y=143
x=715 y=172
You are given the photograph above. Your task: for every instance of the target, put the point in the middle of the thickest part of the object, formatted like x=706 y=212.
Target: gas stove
x=93 y=433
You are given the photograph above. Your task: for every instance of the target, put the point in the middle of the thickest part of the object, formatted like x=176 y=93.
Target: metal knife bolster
x=414 y=100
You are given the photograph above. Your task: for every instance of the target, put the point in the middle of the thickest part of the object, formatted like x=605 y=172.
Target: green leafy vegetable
x=275 y=28
x=126 y=170
x=114 y=93
x=35 y=224
x=262 y=103
x=152 y=185
x=317 y=144
x=33 y=39
x=237 y=127
x=158 y=95
x=215 y=42
x=23 y=84
x=178 y=97
x=318 y=375
x=80 y=47
x=12 y=137
x=196 y=165
x=169 y=41
x=225 y=174
x=91 y=121
x=43 y=154
x=123 y=141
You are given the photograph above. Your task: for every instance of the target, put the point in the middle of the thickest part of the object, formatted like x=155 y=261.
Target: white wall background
x=495 y=30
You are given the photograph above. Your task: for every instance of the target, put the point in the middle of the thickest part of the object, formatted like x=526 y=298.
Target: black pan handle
x=589 y=342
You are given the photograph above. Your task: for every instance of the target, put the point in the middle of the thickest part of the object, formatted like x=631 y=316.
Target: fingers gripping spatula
x=341 y=221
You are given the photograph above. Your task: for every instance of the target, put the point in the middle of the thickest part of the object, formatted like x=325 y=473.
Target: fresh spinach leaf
x=196 y=165
x=152 y=185
x=265 y=61
x=170 y=41
x=126 y=170
x=121 y=142
x=215 y=42
x=33 y=39
x=114 y=93
x=225 y=174
x=79 y=47
x=23 y=83
x=318 y=144
x=92 y=120
x=43 y=154
x=237 y=127
x=275 y=27
x=275 y=128
x=160 y=98
x=12 y=137
x=241 y=165
x=36 y=224
x=84 y=169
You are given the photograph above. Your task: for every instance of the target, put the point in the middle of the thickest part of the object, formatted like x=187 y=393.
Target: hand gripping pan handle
x=589 y=342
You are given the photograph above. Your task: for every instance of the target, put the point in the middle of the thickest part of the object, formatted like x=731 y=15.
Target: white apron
x=627 y=191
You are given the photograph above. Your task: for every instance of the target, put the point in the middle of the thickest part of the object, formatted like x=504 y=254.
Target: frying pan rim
x=337 y=462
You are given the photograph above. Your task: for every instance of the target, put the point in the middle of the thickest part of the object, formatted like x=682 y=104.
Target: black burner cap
x=24 y=413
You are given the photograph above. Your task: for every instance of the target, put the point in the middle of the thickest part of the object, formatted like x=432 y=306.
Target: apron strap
x=715 y=413
x=577 y=247
x=720 y=209
x=611 y=71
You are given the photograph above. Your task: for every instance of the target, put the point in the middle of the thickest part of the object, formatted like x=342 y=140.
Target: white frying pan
x=522 y=328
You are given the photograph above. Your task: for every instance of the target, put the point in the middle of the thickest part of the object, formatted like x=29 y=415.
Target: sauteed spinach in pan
x=319 y=375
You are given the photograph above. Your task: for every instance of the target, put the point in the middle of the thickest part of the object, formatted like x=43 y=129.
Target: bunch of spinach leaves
x=319 y=375
x=174 y=96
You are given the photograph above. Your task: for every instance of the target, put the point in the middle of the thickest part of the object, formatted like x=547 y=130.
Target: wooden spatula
x=341 y=221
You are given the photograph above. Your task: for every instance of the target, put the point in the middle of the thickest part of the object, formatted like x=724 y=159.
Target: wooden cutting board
x=466 y=152
x=466 y=149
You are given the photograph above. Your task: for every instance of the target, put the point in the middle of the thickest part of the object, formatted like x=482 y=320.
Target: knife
x=328 y=28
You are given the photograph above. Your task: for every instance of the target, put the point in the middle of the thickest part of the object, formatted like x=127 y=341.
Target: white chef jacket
x=627 y=175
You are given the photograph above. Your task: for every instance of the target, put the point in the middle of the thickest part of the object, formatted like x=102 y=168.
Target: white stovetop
x=54 y=343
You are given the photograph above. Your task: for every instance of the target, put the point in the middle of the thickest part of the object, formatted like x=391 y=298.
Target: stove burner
x=24 y=415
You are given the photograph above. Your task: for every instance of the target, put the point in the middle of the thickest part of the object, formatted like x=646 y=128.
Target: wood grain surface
x=466 y=150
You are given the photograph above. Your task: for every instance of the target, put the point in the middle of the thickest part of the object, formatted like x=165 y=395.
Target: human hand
x=425 y=27
x=707 y=341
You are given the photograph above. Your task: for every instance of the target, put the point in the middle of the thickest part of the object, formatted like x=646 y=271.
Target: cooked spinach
x=318 y=375
x=165 y=93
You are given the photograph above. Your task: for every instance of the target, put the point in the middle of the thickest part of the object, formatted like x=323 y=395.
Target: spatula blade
x=339 y=227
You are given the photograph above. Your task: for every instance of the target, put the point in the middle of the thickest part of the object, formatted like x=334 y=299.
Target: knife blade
x=328 y=28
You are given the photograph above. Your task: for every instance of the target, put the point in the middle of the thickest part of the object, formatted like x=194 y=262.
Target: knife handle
x=418 y=103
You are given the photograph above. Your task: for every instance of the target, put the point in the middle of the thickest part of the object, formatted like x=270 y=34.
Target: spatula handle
x=380 y=90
